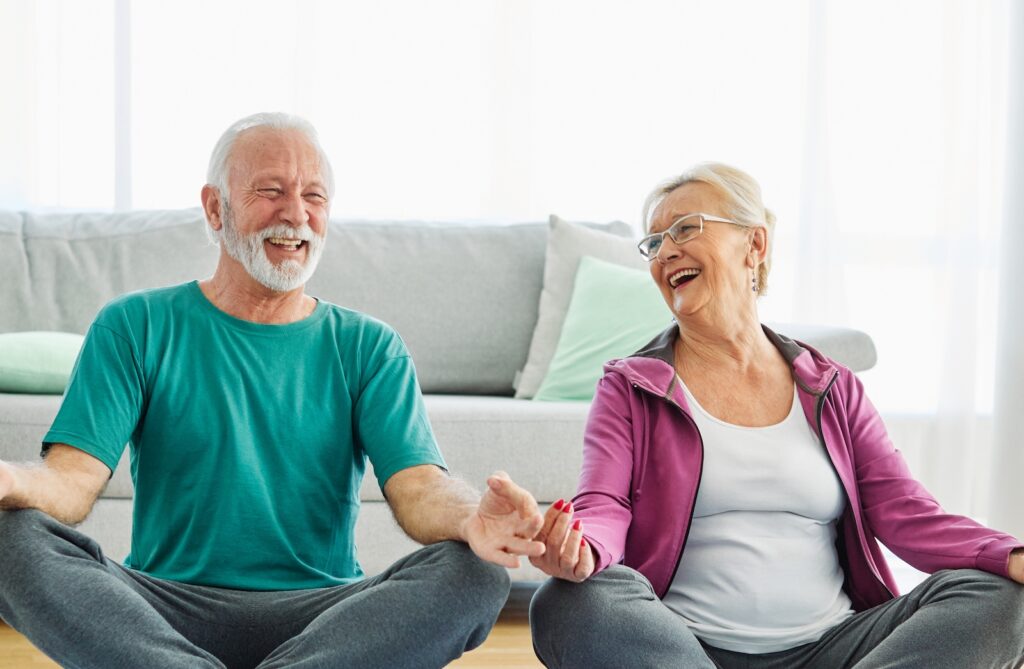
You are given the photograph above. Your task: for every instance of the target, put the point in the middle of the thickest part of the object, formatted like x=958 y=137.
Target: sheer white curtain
x=877 y=130
x=900 y=214
x=1007 y=494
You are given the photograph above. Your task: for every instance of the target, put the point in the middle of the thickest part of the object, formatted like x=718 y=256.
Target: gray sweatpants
x=956 y=619
x=86 y=612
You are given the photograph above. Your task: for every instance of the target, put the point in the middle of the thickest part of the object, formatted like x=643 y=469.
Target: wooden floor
x=507 y=646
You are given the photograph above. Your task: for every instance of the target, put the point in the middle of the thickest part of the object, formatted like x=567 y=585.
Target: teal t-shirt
x=248 y=441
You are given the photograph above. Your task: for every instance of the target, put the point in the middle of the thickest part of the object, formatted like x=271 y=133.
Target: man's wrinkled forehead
x=267 y=150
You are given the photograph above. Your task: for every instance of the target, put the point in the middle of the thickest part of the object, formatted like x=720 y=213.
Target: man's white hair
x=219 y=169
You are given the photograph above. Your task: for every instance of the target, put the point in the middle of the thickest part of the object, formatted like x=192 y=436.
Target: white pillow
x=567 y=244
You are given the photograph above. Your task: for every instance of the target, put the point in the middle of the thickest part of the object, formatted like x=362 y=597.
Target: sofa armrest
x=853 y=348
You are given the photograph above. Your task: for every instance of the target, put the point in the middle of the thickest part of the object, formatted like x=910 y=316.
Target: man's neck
x=247 y=299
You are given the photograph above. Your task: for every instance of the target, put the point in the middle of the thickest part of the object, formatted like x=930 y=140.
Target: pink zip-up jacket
x=642 y=460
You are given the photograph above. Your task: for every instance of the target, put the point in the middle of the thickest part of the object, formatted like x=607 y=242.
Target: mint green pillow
x=613 y=312
x=37 y=362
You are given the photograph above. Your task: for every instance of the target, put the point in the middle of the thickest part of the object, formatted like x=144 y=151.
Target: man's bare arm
x=432 y=506
x=65 y=485
x=429 y=504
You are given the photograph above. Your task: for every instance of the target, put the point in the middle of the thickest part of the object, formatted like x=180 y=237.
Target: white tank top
x=759 y=571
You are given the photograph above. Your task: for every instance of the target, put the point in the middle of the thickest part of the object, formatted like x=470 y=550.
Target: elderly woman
x=734 y=485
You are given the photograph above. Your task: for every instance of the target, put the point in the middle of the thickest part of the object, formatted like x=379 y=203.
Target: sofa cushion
x=462 y=297
x=614 y=311
x=66 y=266
x=480 y=435
x=37 y=362
x=567 y=243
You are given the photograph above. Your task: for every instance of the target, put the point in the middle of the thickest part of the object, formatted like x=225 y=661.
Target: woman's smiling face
x=713 y=268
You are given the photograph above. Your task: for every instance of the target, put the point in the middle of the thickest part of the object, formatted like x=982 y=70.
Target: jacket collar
x=653 y=366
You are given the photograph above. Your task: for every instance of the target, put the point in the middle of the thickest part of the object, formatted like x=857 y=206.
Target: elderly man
x=250 y=408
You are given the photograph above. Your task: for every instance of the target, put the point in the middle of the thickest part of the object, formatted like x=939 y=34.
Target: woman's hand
x=567 y=554
x=1016 y=565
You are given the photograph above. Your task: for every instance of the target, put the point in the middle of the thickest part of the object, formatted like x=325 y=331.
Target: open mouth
x=683 y=276
x=286 y=243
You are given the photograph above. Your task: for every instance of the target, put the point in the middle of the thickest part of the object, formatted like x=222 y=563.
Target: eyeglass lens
x=681 y=232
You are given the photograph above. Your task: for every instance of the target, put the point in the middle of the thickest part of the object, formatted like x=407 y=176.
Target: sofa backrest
x=463 y=297
x=57 y=270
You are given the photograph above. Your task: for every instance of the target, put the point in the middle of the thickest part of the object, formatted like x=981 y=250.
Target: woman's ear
x=758 y=246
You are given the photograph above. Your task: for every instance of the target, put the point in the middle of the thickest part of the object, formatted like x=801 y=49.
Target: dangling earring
x=753 y=281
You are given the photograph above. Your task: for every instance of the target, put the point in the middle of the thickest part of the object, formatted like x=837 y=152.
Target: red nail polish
x=567 y=508
x=578 y=524
x=583 y=542
x=559 y=504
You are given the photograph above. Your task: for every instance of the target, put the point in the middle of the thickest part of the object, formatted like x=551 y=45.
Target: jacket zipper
x=696 y=488
x=821 y=436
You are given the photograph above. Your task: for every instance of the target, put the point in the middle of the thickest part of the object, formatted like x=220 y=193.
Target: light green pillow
x=613 y=312
x=568 y=243
x=37 y=362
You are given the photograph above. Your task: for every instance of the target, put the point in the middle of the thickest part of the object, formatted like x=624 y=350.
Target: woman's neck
x=737 y=346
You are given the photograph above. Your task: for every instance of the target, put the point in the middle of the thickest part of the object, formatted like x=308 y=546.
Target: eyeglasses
x=682 y=230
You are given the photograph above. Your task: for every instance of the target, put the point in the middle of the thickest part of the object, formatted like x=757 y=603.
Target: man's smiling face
x=276 y=219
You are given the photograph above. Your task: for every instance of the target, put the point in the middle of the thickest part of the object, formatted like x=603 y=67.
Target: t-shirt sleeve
x=104 y=398
x=391 y=419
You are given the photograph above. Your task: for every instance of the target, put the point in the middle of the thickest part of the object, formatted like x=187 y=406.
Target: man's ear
x=211 y=206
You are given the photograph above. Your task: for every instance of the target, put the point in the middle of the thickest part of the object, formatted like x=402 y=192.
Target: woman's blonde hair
x=742 y=196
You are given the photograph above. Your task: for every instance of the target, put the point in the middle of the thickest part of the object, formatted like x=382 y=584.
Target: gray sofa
x=463 y=297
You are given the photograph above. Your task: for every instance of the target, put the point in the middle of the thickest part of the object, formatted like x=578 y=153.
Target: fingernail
x=578 y=524
x=583 y=542
x=567 y=508
x=559 y=504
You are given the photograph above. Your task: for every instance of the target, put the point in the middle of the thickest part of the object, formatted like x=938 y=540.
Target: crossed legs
x=954 y=619
x=59 y=590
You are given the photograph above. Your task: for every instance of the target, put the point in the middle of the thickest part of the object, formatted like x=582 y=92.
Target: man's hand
x=1016 y=565
x=432 y=506
x=65 y=485
x=504 y=523
x=567 y=554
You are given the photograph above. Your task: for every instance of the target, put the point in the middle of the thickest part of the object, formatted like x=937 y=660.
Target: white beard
x=249 y=251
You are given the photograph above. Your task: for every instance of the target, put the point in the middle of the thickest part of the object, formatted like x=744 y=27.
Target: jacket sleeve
x=602 y=500
x=901 y=512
